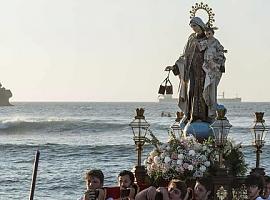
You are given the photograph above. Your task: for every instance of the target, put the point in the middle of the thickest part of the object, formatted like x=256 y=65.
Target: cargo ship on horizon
x=229 y=100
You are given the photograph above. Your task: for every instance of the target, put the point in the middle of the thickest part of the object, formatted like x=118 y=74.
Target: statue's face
x=196 y=28
x=209 y=34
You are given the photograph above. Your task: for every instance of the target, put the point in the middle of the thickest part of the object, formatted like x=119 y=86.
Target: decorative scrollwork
x=240 y=193
x=202 y=6
x=221 y=193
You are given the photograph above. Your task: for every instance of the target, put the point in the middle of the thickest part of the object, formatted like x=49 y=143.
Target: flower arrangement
x=233 y=158
x=185 y=158
x=178 y=158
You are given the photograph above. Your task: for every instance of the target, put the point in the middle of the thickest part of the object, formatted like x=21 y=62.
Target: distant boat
x=228 y=100
x=167 y=98
x=4 y=96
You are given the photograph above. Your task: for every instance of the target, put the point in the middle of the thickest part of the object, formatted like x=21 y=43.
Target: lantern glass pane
x=139 y=128
x=221 y=128
x=259 y=131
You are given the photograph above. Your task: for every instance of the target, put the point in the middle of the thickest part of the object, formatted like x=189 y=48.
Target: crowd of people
x=258 y=188
x=94 y=180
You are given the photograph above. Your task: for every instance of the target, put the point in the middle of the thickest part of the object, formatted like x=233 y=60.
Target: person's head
x=202 y=188
x=197 y=25
x=126 y=179
x=177 y=189
x=209 y=32
x=94 y=179
x=255 y=185
x=267 y=186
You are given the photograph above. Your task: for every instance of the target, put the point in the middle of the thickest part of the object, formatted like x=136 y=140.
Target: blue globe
x=200 y=130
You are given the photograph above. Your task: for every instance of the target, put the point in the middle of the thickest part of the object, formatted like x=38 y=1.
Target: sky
x=116 y=50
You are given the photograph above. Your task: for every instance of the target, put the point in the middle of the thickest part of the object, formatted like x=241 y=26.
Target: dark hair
x=95 y=173
x=257 y=180
x=266 y=179
x=129 y=173
x=181 y=185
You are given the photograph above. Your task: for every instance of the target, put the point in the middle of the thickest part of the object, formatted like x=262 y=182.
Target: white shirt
x=268 y=198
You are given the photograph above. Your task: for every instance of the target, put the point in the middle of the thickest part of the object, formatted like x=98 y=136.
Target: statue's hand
x=169 y=68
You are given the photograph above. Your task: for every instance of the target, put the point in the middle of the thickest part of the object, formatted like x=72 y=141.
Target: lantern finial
x=139 y=112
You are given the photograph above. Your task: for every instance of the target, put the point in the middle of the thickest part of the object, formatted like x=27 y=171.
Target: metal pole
x=220 y=158
x=139 y=154
x=258 y=158
x=34 y=176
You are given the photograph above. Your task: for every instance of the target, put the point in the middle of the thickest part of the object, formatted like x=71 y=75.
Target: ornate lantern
x=258 y=130
x=139 y=127
x=176 y=127
x=221 y=127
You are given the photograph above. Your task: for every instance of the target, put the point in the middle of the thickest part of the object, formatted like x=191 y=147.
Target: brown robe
x=192 y=77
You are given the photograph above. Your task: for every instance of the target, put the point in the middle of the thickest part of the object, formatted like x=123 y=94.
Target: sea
x=73 y=137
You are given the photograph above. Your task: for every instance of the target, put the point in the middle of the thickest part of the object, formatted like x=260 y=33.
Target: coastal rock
x=4 y=96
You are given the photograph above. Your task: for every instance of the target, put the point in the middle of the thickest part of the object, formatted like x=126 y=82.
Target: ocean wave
x=59 y=125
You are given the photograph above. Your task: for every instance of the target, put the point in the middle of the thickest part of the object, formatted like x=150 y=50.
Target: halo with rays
x=205 y=7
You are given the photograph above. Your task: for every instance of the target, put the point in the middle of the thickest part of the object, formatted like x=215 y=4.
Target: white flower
x=185 y=165
x=191 y=152
x=198 y=174
x=162 y=155
x=180 y=156
x=153 y=166
x=202 y=168
x=145 y=162
x=190 y=167
x=167 y=159
x=156 y=159
x=203 y=157
x=174 y=163
x=204 y=148
x=207 y=163
x=179 y=162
